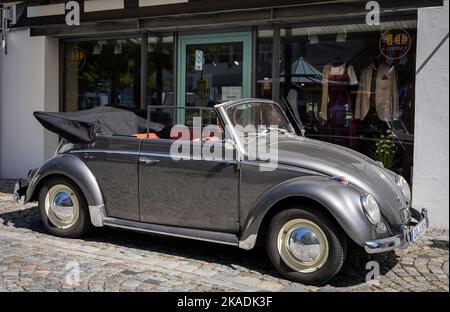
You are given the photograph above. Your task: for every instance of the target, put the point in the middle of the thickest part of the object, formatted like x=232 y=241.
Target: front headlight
x=371 y=209
x=404 y=187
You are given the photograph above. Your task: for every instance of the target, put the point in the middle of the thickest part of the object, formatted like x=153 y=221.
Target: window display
x=108 y=72
x=102 y=72
x=353 y=85
x=378 y=90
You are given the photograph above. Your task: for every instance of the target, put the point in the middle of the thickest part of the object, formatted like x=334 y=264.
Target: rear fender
x=71 y=167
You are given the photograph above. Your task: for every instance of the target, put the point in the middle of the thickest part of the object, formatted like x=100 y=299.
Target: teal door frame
x=184 y=41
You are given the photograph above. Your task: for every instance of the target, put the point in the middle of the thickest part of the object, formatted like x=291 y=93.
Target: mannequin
x=336 y=106
x=339 y=77
x=378 y=90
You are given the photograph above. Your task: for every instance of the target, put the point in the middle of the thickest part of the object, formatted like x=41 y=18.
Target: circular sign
x=76 y=59
x=395 y=43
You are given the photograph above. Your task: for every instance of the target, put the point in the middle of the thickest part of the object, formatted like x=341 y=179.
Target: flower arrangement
x=386 y=150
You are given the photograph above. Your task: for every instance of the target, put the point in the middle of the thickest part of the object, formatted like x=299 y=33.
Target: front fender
x=342 y=201
x=73 y=168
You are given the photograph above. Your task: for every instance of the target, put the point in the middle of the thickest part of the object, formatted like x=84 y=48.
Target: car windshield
x=255 y=118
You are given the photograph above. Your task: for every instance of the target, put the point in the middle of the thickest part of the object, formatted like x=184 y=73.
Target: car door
x=114 y=163
x=198 y=194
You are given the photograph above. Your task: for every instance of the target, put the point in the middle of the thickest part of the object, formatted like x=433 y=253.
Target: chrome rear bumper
x=403 y=240
x=20 y=189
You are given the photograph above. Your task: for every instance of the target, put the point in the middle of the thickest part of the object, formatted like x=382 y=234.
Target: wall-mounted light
x=313 y=38
x=118 y=47
x=341 y=36
x=97 y=49
x=237 y=60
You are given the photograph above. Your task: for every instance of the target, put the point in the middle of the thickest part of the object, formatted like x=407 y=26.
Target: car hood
x=362 y=172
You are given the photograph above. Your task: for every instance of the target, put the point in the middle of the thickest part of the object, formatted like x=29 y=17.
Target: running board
x=202 y=235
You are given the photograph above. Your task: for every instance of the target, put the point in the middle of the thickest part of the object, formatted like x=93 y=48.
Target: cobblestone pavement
x=116 y=260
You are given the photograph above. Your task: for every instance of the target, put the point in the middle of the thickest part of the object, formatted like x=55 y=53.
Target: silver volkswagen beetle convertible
x=120 y=169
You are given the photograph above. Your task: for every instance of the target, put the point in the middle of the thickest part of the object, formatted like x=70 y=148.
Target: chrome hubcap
x=303 y=246
x=61 y=206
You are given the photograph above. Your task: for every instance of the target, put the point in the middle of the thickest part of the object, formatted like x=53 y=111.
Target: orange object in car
x=151 y=136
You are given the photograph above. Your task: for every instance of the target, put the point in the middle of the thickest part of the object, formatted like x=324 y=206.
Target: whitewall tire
x=63 y=208
x=306 y=245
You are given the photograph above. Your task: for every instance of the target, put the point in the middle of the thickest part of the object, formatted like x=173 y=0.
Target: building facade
x=354 y=72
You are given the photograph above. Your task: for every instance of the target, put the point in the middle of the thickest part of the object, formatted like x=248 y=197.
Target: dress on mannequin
x=336 y=108
x=337 y=83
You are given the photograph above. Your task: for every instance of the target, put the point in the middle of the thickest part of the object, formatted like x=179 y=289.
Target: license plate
x=418 y=231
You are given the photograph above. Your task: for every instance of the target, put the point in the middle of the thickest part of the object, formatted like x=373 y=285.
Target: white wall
x=431 y=155
x=51 y=92
x=28 y=82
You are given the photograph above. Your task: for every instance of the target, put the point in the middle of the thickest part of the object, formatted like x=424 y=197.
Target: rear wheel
x=63 y=208
x=306 y=245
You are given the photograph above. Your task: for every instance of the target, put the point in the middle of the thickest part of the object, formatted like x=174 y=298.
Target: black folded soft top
x=83 y=126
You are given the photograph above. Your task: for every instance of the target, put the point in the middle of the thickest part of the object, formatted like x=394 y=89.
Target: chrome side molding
x=201 y=235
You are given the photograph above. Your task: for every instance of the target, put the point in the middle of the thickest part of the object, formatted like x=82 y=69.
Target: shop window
x=160 y=71
x=264 y=64
x=353 y=85
x=102 y=72
x=219 y=78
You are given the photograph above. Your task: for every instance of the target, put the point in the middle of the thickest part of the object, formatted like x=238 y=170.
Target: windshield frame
x=223 y=111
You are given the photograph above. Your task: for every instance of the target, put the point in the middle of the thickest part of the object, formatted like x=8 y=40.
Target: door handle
x=148 y=161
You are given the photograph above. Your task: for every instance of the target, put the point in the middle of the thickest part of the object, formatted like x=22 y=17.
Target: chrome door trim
x=102 y=151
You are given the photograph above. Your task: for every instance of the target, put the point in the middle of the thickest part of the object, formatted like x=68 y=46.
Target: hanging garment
x=384 y=96
x=336 y=108
x=336 y=88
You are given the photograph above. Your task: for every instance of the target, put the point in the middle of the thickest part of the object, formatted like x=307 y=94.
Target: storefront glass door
x=213 y=69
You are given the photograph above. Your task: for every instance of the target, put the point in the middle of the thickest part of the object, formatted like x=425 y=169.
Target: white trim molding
x=103 y=5
x=145 y=3
x=46 y=10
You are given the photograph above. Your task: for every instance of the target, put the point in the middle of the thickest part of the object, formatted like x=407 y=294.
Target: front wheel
x=306 y=246
x=63 y=208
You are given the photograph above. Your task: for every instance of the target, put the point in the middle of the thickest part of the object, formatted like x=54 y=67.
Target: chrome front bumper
x=403 y=240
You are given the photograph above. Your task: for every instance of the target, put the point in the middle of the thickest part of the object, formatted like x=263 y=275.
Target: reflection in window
x=102 y=72
x=160 y=77
x=160 y=71
x=347 y=90
x=264 y=64
x=214 y=73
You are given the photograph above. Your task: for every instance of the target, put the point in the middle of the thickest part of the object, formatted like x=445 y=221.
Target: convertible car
x=114 y=168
